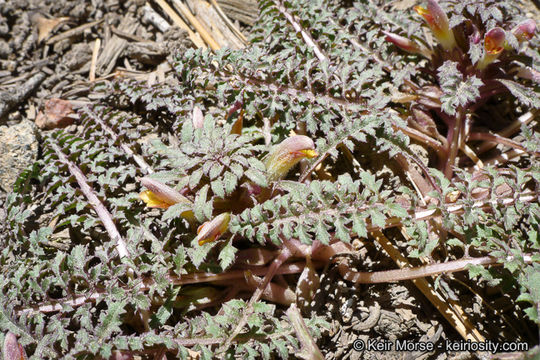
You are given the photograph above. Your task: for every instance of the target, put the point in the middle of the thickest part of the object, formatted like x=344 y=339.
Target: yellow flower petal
x=310 y=153
x=152 y=200
x=438 y=22
x=287 y=154
x=213 y=229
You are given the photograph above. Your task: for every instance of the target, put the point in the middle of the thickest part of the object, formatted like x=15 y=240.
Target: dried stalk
x=180 y=23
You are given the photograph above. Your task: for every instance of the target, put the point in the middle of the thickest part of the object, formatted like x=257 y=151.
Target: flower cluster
x=495 y=39
x=281 y=159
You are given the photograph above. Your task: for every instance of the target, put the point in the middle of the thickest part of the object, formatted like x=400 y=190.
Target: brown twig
x=510 y=129
x=194 y=278
x=10 y=99
x=500 y=140
x=73 y=32
x=278 y=261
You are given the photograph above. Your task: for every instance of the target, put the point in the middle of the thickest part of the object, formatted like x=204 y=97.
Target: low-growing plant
x=159 y=231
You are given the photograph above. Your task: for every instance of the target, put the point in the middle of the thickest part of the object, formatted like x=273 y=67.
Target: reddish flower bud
x=162 y=196
x=406 y=44
x=525 y=30
x=438 y=22
x=213 y=229
x=12 y=350
x=529 y=74
x=197 y=118
x=475 y=37
x=494 y=41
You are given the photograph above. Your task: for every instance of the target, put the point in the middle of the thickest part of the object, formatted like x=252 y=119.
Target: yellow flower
x=438 y=22
x=287 y=154
x=154 y=201
x=162 y=196
x=213 y=229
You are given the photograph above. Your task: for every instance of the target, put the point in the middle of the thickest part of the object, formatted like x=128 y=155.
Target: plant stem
x=309 y=347
x=454 y=141
x=500 y=140
x=278 y=261
x=419 y=272
x=101 y=210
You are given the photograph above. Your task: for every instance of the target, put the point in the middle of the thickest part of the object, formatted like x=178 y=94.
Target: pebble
x=18 y=151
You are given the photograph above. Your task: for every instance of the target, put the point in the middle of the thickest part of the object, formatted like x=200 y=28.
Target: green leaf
x=525 y=95
x=321 y=233
x=218 y=188
x=110 y=321
x=258 y=177
x=396 y=209
x=200 y=205
x=359 y=225
x=227 y=255
x=175 y=211
x=377 y=218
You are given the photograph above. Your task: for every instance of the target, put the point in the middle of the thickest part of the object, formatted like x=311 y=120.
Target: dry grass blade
x=245 y=11
x=226 y=19
x=181 y=24
x=95 y=51
x=210 y=18
x=72 y=32
x=184 y=11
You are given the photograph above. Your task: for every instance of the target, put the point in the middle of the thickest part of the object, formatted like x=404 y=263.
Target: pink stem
x=101 y=210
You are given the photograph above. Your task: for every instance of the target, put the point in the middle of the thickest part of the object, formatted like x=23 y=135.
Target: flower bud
x=213 y=229
x=406 y=44
x=529 y=74
x=287 y=154
x=438 y=22
x=160 y=195
x=475 y=37
x=12 y=350
x=197 y=118
x=494 y=41
x=525 y=30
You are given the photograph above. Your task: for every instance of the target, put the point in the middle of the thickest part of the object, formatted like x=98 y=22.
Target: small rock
x=57 y=114
x=18 y=150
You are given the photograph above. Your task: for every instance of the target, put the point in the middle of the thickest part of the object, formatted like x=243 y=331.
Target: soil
x=39 y=65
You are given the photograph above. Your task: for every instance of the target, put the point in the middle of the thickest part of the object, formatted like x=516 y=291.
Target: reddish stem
x=101 y=210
